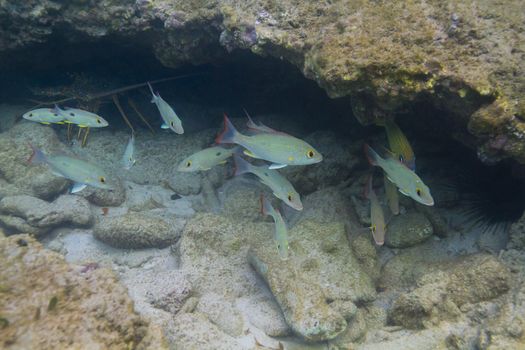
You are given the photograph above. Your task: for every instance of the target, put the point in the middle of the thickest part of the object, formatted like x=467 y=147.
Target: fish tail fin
x=241 y=166
x=371 y=155
x=266 y=206
x=37 y=156
x=229 y=134
x=250 y=123
x=152 y=92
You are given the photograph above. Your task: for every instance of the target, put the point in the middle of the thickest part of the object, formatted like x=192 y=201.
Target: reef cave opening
x=262 y=86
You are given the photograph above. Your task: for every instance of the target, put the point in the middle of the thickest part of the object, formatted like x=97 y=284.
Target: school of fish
x=276 y=149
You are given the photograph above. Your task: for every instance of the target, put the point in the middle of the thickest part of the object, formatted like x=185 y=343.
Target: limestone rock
x=37 y=216
x=195 y=331
x=41 y=295
x=407 y=230
x=322 y=267
x=136 y=230
x=106 y=198
x=20 y=177
x=439 y=295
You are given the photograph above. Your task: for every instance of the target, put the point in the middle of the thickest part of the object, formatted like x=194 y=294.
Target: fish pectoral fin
x=164 y=126
x=250 y=154
x=77 y=187
x=56 y=173
x=276 y=166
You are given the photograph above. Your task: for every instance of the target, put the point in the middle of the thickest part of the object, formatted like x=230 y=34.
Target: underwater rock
x=222 y=242
x=328 y=205
x=195 y=331
x=457 y=57
x=517 y=234
x=321 y=267
x=366 y=254
x=9 y=114
x=19 y=225
x=106 y=198
x=41 y=295
x=136 y=230
x=407 y=230
x=17 y=176
x=38 y=214
x=222 y=313
x=241 y=199
x=441 y=294
x=185 y=183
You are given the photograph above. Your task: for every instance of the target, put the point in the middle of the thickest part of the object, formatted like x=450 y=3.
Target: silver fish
x=281 y=187
x=82 y=118
x=281 y=232
x=168 y=115
x=44 y=115
x=205 y=159
x=405 y=179
x=80 y=172
x=377 y=217
x=278 y=148
x=128 y=159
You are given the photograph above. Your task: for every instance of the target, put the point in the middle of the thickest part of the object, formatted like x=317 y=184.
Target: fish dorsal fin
x=77 y=187
x=277 y=166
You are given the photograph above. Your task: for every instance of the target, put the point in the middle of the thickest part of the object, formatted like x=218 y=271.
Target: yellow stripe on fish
x=278 y=148
x=405 y=179
x=205 y=159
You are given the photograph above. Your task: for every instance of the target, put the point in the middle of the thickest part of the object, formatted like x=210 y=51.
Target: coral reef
x=42 y=295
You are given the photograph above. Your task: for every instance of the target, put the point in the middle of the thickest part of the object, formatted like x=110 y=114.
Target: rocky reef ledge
x=464 y=58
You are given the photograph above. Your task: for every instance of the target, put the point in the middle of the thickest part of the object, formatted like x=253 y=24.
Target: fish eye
x=172 y=124
x=188 y=164
x=289 y=197
x=373 y=228
x=102 y=179
x=218 y=154
x=401 y=158
x=98 y=121
x=30 y=114
x=72 y=114
x=55 y=114
x=418 y=191
x=278 y=246
x=310 y=154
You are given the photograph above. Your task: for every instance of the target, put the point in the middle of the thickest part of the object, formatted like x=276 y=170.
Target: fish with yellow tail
x=279 y=149
x=281 y=187
x=405 y=179
x=44 y=116
x=399 y=144
x=280 y=232
x=80 y=172
x=168 y=115
x=377 y=217
x=206 y=159
x=82 y=118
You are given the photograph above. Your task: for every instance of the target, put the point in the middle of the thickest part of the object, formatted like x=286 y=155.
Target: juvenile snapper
x=80 y=172
x=399 y=144
x=405 y=179
x=281 y=187
x=168 y=115
x=128 y=159
x=377 y=217
x=281 y=232
x=45 y=116
x=82 y=118
x=278 y=148
x=205 y=159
